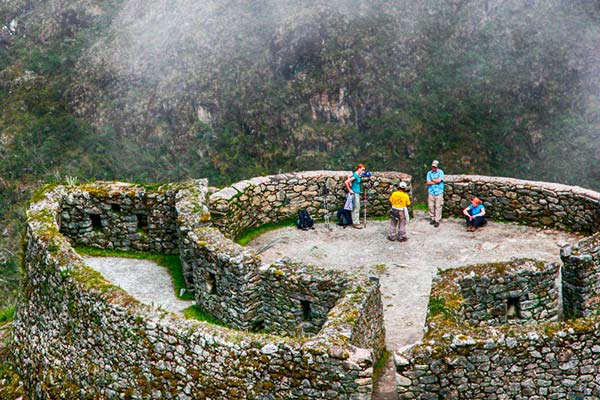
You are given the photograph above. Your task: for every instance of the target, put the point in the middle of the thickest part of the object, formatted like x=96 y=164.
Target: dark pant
x=475 y=222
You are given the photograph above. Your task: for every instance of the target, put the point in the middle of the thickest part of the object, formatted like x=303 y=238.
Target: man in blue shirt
x=435 y=188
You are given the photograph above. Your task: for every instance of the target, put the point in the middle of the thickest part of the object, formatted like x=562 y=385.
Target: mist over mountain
x=170 y=89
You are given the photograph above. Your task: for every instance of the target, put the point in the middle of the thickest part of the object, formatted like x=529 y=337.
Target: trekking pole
x=365 y=209
x=326 y=193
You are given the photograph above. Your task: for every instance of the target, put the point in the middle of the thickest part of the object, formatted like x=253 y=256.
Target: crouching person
x=474 y=215
x=399 y=213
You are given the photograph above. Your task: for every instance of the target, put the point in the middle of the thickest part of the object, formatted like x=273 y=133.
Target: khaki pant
x=397 y=224
x=356 y=210
x=435 y=204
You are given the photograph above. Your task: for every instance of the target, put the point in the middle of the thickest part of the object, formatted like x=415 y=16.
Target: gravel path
x=142 y=279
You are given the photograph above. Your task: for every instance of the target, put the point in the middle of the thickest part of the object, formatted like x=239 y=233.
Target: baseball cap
x=435 y=163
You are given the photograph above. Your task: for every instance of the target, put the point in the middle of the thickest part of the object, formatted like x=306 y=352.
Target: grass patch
x=197 y=313
x=437 y=306
x=250 y=234
x=421 y=207
x=169 y=261
x=379 y=269
x=7 y=314
x=379 y=367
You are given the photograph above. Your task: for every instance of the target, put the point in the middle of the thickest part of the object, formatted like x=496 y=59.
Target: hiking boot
x=404 y=239
x=391 y=239
x=436 y=224
x=432 y=222
x=357 y=226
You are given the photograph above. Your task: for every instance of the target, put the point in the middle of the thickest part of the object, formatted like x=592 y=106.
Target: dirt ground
x=406 y=268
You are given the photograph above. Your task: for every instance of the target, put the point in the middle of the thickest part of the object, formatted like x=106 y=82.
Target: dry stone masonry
x=543 y=204
x=295 y=331
x=258 y=201
x=502 y=330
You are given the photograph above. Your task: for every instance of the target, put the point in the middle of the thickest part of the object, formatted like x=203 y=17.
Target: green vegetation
x=255 y=232
x=437 y=306
x=420 y=207
x=195 y=312
x=379 y=367
x=171 y=262
x=6 y=314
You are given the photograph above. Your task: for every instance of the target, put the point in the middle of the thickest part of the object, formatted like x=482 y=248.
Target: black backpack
x=344 y=217
x=304 y=221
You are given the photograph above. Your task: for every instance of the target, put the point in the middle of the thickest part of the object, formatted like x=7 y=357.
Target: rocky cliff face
x=165 y=90
x=248 y=80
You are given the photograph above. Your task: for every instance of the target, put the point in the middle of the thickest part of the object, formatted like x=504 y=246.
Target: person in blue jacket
x=435 y=190
x=353 y=187
x=475 y=215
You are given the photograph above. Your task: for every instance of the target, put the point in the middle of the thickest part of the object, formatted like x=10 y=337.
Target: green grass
x=7 y=314
x=422 y=207
x=197 y=313
x=170 y=262
x=255 y=232
x=437 y=305
x=379 y=367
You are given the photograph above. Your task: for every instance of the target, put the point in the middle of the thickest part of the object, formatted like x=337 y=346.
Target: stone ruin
x=293 y=330
x=495 y=331
x=503 y=330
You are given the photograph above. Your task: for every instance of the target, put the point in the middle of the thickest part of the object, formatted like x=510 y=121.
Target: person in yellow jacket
x=399 y=213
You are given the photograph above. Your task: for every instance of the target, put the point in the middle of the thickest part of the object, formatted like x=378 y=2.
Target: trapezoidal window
x=258 y=326
x=306 y=311
x=142 y=222
x=513 y=308
x=211 y=283
x=96 y=222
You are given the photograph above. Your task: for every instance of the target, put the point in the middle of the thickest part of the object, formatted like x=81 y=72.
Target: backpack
x=344 y=217
x=304 y=221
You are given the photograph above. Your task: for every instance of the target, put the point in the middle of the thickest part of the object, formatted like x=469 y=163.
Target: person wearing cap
x=475 y=215
x=353 y=187
x=399 y=213
x=435 y=189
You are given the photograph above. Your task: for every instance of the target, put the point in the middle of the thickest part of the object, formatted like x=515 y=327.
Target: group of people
x=400 y=200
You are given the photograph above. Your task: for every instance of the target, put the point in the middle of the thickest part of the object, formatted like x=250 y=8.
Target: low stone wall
x=121 y=216
x=552 y=205
x=269 y=199
x=581 y=278
x=77 y=336
x=457 y=360
x=519 y=293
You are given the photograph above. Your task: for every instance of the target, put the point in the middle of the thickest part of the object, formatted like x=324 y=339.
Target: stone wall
x=581 y=278
x=511 y=293
x=269 y=199
x=552 y=205
x=493 y=331
x=120 y=216
x=457 y=360
x=78 y=336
